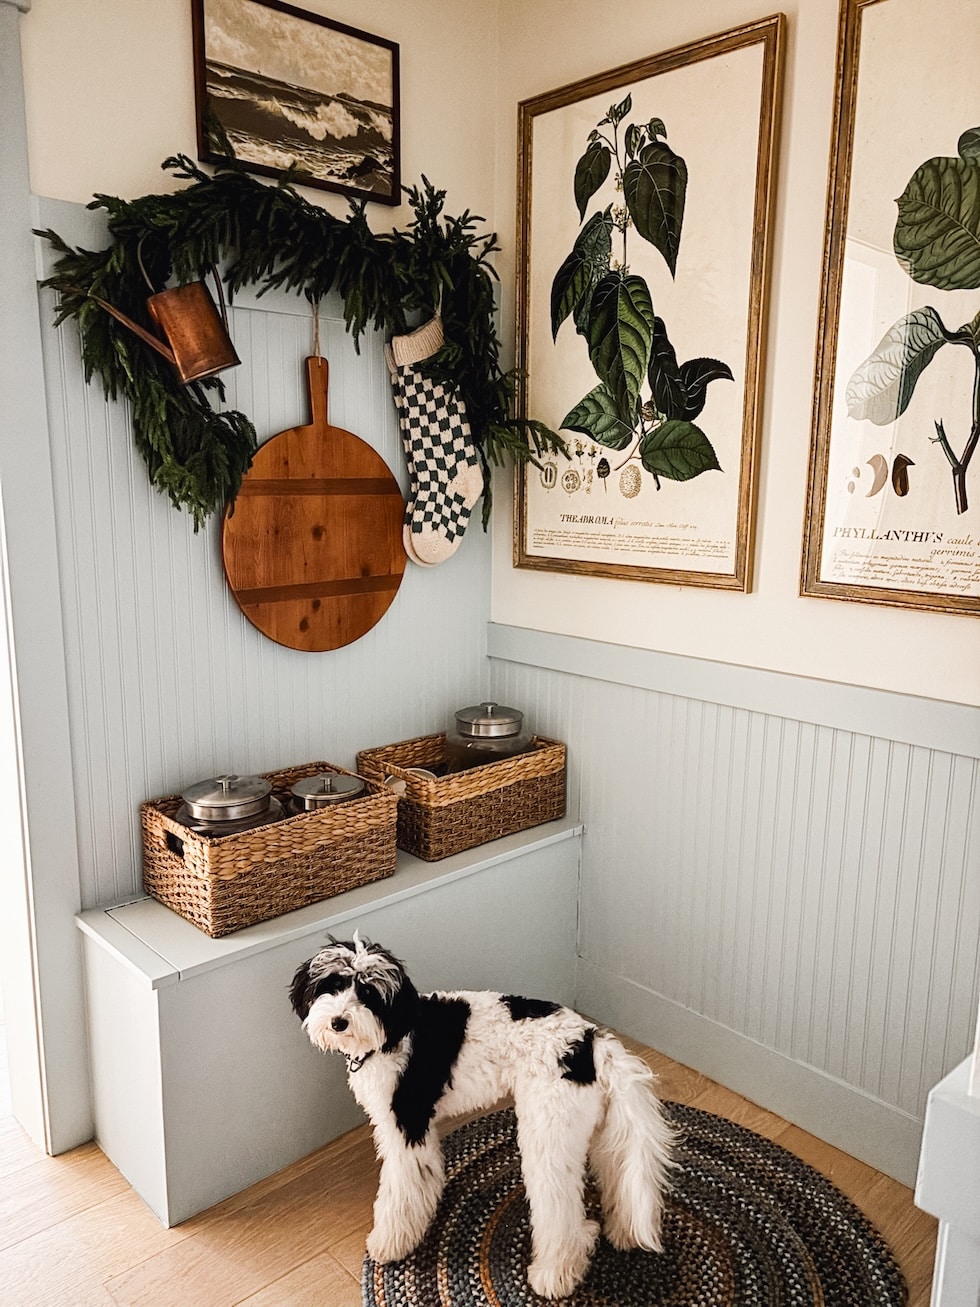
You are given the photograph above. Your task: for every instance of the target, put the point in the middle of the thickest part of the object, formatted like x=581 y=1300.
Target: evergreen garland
x=270 y=236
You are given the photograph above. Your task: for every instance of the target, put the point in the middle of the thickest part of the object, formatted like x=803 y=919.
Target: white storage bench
x=203 y=1082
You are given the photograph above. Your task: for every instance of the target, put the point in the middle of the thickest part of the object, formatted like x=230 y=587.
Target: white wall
x=109 y=86
x=930 y=654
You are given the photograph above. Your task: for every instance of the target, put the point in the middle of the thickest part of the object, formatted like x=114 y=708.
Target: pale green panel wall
x=168 y=683
x=808 y=887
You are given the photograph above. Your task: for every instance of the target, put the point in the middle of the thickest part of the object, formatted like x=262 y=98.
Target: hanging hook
x=316 y=328
x=139 y=260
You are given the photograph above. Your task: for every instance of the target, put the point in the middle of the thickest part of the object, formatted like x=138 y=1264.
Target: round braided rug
x=748 y=1224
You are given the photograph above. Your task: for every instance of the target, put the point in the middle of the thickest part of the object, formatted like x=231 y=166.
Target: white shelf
x=156 y=943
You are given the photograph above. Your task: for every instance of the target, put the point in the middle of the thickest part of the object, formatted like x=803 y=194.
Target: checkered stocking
x=443 y=463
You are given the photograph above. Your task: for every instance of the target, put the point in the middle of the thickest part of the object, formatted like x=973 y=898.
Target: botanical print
x=937 y=242
x=644 y=234
x=283 y=91
x=612 y=307
x=893 y=517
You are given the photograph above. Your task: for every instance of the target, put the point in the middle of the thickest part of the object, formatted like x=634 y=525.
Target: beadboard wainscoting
x=167 y=681
x=781 y=877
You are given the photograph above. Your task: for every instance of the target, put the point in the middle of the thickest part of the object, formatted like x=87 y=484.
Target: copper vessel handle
x=134 y=327
x=139 y=260
x=221 y=297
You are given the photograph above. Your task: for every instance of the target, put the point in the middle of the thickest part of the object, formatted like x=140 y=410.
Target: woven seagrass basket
x=437 y=818
x=222 y=884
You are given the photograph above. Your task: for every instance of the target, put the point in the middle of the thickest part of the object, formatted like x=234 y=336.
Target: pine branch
x=269 y=236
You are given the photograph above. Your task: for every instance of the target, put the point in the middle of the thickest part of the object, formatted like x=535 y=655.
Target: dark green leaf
x=881 y=388
x=596 y=416
x=666 y=383
x=620 y=334
x=937 y=235
x=678 y=451
x=634 y=139
x=588 y=261
x=655 y=127
x=655 y=187
x=695 y=374
x=968 y=146
x=590 y=172
x=619 y=111
x=583 y=309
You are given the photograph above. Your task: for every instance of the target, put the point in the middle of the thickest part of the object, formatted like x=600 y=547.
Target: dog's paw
x=559 y=1274
x=549 y=1281
x=626 y=1241
x=624 y=1235
x=390 y=1246
x=624 y=1238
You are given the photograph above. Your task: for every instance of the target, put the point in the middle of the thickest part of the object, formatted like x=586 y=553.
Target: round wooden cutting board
x=312 y=548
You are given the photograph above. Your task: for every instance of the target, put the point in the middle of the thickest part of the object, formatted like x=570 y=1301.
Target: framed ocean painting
x=278 y=87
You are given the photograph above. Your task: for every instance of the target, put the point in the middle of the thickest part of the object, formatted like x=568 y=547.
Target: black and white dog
x=414 y=1059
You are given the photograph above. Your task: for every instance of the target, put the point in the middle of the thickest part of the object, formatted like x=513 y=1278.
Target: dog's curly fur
x=580 y=1097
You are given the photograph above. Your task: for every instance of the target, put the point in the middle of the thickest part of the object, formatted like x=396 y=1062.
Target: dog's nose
x=340 y=1023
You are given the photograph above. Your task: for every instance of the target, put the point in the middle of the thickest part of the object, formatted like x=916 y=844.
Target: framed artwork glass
x=892 y=516
x=280 y=87
x=644 y=237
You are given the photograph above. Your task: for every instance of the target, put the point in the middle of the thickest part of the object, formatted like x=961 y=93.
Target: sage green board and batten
x=781 y=877
x=167 y=682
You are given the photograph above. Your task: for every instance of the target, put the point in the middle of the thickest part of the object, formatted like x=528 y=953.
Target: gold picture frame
x=888 y=517
x=662 y=302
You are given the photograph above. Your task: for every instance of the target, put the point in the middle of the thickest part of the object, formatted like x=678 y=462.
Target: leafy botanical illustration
x=937 y=242
x=646 y=401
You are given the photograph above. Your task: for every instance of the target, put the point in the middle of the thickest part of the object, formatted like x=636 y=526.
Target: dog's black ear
x=396 y=1012
x=299 y=992
x=398 y=1016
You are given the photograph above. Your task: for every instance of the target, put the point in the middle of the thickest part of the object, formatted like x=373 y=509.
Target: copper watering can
x=196 y=342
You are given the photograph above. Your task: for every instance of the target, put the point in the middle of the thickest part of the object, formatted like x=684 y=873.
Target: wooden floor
x=73 y=1234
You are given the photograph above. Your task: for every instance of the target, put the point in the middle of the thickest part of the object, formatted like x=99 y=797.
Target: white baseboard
x=875 y=1132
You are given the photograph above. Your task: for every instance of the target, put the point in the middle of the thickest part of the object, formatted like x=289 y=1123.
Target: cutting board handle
x=317 y=377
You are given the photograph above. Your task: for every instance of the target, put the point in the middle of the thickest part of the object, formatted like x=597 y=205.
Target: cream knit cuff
x=419 y=344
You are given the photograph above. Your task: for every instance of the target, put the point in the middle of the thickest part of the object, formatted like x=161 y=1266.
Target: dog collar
x=355 y=1063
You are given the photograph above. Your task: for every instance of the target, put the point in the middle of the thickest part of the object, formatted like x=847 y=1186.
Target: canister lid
x=234 y=826
x=227 y=797
x=489 y=720
x=327 y=788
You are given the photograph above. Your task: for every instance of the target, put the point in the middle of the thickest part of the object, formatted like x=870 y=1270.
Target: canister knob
x=325 y=790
